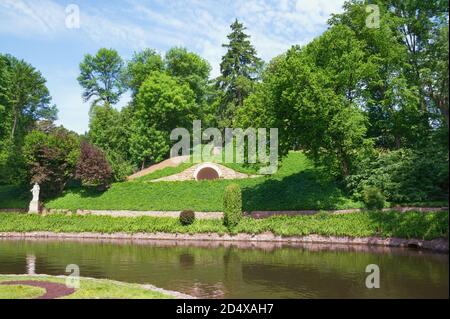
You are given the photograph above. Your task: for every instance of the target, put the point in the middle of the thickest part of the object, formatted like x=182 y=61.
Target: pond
x=239 y=270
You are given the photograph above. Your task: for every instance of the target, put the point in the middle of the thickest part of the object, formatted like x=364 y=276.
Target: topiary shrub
x=187 y=217
x=373 y=198
x=232 y=205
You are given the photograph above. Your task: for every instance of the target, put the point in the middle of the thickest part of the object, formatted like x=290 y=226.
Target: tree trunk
x=13 y=130
x=345 y=168
x=397 y=141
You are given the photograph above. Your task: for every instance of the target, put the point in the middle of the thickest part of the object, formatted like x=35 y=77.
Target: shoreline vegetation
x=407 y=229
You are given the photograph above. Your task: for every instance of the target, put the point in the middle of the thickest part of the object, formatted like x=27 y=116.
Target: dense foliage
x=359 y=96
x=24 y=99
x=373 y=198
x=404 y=175
x=162 y=104
x=51 y=159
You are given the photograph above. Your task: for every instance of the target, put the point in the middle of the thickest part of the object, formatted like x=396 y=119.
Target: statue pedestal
x=34 y=207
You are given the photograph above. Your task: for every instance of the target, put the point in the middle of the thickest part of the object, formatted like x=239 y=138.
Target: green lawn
x=89 y=289
x=386 y=224
x=20 y=292
x=297 y=185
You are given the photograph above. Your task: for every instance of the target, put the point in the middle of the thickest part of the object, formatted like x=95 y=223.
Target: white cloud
x=47 y=18
x=199 y=25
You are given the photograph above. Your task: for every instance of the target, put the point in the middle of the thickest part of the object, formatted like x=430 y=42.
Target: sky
x=46 y=34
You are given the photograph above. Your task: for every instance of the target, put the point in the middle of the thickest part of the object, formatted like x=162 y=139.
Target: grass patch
x=89 y=289
x=20 y=292
x=386 y=224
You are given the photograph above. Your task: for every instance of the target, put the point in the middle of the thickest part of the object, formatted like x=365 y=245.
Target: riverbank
x=438 y=245
x=50 y=287
x=407 y=229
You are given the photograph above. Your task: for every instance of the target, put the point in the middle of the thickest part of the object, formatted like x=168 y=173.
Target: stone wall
x=188 y=174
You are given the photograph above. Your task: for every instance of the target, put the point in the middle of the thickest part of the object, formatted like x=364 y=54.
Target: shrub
x=120 y=168
x=373 y=198
x=92 y=167
x=404 y=175
x=187 y=217
x=232 y=205
x=51 y=159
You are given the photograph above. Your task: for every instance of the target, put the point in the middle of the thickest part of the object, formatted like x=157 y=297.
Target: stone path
x=127 y=213
x=171 y=162
x=266 y=214
x=52 y=289
x=253 y=214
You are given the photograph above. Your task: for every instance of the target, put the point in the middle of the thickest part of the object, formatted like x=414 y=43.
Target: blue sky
x=36 y=31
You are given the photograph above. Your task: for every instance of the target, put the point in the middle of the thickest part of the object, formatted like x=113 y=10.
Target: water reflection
x=238 y=269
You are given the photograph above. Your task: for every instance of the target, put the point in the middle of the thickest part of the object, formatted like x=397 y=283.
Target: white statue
x=34 y=204
x=35 y=190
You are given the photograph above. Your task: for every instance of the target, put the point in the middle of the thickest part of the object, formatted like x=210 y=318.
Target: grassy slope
x=89 y=288
x=392 y=224
x=297 y=185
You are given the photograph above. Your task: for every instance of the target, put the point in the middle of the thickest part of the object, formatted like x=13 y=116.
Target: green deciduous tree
x=418 y=22
x=109 y=130
x=102 y=77
x=311 y=95
x=188 y=67
x=162 y=105
x=392 y=101
x=141 y=66
x=24 y=99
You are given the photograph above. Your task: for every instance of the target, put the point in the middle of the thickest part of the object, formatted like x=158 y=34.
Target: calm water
x=230 y=270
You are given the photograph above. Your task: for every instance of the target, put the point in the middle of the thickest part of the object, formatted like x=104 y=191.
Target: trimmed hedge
x=187 y=217
x=232 y=204
x=373 y=198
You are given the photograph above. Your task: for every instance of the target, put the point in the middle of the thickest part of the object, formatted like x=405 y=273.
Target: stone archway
x=207 y=171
